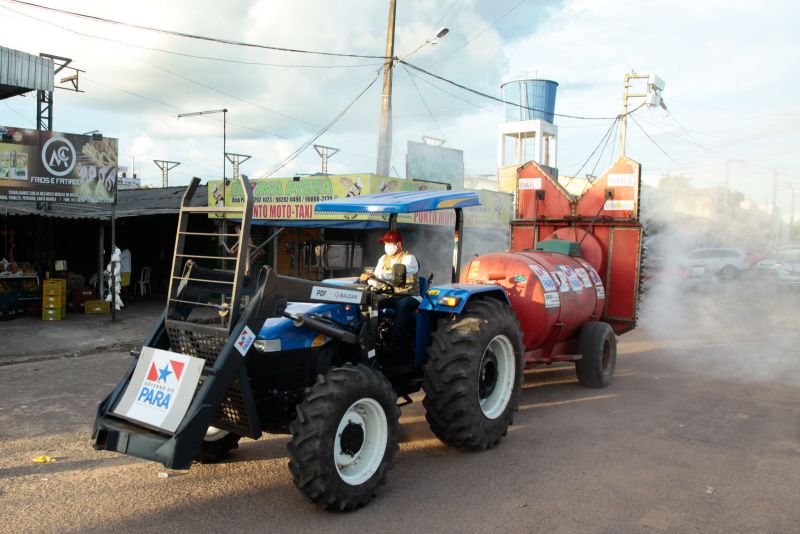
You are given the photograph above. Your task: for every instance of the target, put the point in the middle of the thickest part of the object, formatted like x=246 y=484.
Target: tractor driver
x=408 y=300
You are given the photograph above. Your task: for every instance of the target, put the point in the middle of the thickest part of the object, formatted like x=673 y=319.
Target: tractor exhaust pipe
x=323 y=328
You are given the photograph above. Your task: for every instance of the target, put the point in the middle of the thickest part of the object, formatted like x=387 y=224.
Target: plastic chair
x=144 y=281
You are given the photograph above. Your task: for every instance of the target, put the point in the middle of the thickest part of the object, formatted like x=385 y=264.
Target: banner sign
x=294 y=199
x=437 y=163
x=161 y=388
x=56 y=167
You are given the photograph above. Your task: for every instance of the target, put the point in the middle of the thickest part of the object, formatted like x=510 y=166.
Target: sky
x=730 y=72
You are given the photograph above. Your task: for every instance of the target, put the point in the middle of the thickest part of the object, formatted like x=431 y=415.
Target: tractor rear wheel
x=473 y=376
x=216 y=445
x=344 y=437
x=598 y=346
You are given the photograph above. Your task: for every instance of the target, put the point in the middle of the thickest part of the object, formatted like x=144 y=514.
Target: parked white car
x=789 y=270
x=727 y=263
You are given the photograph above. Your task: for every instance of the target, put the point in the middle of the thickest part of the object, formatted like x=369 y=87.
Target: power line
x=496 y=99
x=27 y=119
x=324 y=129
x=424 y=103
x=191 y=35
x=473 y=104
x=487 y=28
x=603 y=142
x=656 y=144
x=184 y=54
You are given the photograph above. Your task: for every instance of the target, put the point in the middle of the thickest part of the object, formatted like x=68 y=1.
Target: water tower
x=529 y=123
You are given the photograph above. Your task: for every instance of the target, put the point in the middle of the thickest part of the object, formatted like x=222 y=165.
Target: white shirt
x=412 y=266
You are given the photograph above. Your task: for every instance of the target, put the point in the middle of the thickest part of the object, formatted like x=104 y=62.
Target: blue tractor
x=238 y=354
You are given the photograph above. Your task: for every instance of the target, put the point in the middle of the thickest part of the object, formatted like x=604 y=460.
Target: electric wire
x=27 y=119
x=191 y=35
x=473 y=104
x=656 y=144
x=324 y=129
x=602 y=142
x=430 y=113
x=487 y=28
x=185 y=54
x=206 y=86
x=503 y=101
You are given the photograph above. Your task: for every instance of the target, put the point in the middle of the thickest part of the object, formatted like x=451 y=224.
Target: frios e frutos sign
x=161 y=388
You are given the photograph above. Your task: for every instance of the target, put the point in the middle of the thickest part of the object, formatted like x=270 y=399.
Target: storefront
x=322 y=245
x=73 y=242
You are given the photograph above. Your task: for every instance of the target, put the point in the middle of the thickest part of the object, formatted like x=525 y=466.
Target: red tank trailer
x=572 y=276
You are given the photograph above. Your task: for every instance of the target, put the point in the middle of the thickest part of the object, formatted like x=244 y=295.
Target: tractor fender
x=433 y=299
x=430 y=309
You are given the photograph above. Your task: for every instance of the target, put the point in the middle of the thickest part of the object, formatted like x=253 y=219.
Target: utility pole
x=325 y=153
x=165 y=167
x=385 y=135
x=793 y=188
x=652 y=97
x=773 y=209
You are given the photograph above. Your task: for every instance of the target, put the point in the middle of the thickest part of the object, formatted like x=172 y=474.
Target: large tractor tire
x=216 y=445
x=473 y=375
x=344 y=437
x=598 y=346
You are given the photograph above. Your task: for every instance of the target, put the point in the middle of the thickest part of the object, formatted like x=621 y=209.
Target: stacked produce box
x=54 y=299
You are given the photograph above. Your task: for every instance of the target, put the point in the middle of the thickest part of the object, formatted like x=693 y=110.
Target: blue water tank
x=535 y=99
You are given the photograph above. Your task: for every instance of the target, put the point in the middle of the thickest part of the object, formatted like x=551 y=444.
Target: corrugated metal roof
x=21 y=72
x=130 y=203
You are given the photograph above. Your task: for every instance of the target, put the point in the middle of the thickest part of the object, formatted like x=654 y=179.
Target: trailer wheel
x=344 y=437
x=217 y=444
x=473 y=375
x=598 y=346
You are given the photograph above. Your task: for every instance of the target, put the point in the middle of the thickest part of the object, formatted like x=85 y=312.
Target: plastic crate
x=53 y=301
x=53 y=315
x=55 y=287
x=96 y=306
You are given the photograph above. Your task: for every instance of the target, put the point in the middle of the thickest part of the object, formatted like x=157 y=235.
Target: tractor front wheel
x=216 y=445
x=344 y=437
x=597 y=345
x=473 y=375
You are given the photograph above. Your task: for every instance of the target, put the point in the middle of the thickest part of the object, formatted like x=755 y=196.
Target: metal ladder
x=193 y=288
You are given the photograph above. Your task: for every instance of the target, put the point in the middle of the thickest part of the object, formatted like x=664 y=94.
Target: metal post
x=385 y=135
x=623 y=123
x=113 y=277
x=458 y=245
x=101 y=242
x=793 y=189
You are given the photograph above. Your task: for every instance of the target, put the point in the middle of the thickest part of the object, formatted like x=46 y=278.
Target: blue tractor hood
x=405 y=202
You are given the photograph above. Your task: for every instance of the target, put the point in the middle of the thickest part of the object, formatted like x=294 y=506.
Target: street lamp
x=224 y=112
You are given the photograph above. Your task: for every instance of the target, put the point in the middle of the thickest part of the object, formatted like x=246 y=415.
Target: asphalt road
x=700 y=432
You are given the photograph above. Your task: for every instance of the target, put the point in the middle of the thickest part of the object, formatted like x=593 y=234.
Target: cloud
x=727 y=81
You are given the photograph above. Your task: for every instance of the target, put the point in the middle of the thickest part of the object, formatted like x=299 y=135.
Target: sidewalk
x=31 y=338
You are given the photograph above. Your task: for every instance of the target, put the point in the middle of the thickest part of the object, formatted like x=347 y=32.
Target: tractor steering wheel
x=386 y=287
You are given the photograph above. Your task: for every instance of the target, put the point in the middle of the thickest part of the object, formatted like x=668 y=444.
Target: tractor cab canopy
x=405 y=202
x=410 y=202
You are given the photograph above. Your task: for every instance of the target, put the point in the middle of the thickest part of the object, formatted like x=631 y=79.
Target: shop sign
x=56 y=167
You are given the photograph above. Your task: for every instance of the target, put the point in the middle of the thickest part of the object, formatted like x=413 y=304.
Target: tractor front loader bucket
x=208 y=325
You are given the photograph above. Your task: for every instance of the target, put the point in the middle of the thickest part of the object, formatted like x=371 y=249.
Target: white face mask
x=390 y=249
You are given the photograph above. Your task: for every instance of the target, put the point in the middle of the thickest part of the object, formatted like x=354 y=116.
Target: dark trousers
x=404 y=320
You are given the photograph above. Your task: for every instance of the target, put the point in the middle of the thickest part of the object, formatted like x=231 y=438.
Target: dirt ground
x=699 y=432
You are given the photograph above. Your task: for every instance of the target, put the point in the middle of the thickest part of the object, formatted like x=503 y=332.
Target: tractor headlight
x=267 y=345
x=452 y=302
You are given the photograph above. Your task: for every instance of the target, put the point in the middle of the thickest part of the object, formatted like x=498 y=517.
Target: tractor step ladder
x=204 y=303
